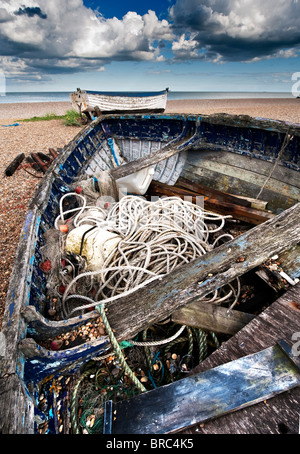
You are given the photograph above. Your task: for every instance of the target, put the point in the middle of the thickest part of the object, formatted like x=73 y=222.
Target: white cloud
x=236 y=29
x=67 y=32
x=131 y=37
x=61 y=36
x=185 y=46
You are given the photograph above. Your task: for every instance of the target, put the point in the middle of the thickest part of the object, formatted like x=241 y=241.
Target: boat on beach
x=93 y=103
x=217 y=196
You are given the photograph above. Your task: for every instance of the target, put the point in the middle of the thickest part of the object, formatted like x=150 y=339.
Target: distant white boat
x=97 y=102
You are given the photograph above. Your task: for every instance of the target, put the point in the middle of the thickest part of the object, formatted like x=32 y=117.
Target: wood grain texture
x=211 y=317
x=160 y=298
x=17 y=410
x=200 y=397
x=281 y=413
x=171 y=148
x=227 y=205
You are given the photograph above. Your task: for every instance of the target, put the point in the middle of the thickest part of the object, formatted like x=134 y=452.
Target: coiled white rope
x=157 y=237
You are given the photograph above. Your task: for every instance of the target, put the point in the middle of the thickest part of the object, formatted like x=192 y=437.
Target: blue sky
x=120 y=8
x=186 y=45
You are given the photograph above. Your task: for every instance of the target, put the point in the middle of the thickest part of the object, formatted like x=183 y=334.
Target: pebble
x=115 y=371
x=88 y=332
x=16 y=191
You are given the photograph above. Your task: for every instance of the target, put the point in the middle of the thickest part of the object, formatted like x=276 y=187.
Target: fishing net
x=155 y=238
x=152 y=238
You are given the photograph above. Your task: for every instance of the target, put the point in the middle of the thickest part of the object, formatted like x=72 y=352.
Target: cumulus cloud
x=67 y=36
x=129 y=38
x=42 y=37
x=235 y=30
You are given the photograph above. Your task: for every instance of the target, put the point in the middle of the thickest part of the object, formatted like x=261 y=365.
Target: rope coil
x=157 y=237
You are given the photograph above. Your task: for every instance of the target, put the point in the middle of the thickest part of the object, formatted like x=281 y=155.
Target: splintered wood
x=159 y=299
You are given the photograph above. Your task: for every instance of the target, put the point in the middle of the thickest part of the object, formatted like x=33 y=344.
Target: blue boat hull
x=257 y=141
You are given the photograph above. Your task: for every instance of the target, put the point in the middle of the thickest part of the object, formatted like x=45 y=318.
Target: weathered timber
x=40 y=328
x=244 y=176
x=165 y=152
x=10 y=170
x=236 y=209
x=201 y=397
x=255 y=203
x=210 y=192
x=42 y=362
x=199 y=314
x=249 y=215
x=17 y=411
x=289 y=260
x=281 y=413
x=160 y=298
x=238 y=185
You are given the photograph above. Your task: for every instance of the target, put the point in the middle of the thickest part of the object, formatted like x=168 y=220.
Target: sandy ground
x=17 y=190
x=286 y=109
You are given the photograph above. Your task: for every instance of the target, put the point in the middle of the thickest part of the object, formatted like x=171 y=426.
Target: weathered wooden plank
x=223 y=196
x=238 y=186
x=290 y=261
x=201 y=397
x=210 y=192
x=13 y=326
x=255 y=203
x=250 y=177
x=281 y=413
x=17 y=409
x=211 y=317
x=160 y=298
x=40 y=328
x=260 y=167
x=237 y=210
x=175 y=146
x=41 y=362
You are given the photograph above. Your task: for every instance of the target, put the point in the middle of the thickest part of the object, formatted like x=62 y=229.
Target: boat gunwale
x=43 y=189
x=26 y=245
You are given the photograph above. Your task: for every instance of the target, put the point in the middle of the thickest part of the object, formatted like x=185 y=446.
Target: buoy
x=55 y=345
x=95 y=244
x=62 y=289
x=63 y=228
x=46 y=266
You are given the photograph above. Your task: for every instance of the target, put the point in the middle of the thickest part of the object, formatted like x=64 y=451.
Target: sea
x=63 y=96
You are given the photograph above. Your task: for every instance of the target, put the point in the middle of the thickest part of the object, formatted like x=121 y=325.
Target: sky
x=116 y=45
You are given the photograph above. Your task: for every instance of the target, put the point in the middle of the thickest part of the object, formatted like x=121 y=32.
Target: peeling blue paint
x=11 y=311
x=244 y=138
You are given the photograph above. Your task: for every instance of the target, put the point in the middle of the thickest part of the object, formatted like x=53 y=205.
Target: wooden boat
x=93 y=102
x=236 y=158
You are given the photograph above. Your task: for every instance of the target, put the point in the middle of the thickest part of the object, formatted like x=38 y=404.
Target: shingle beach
x=17 y=190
